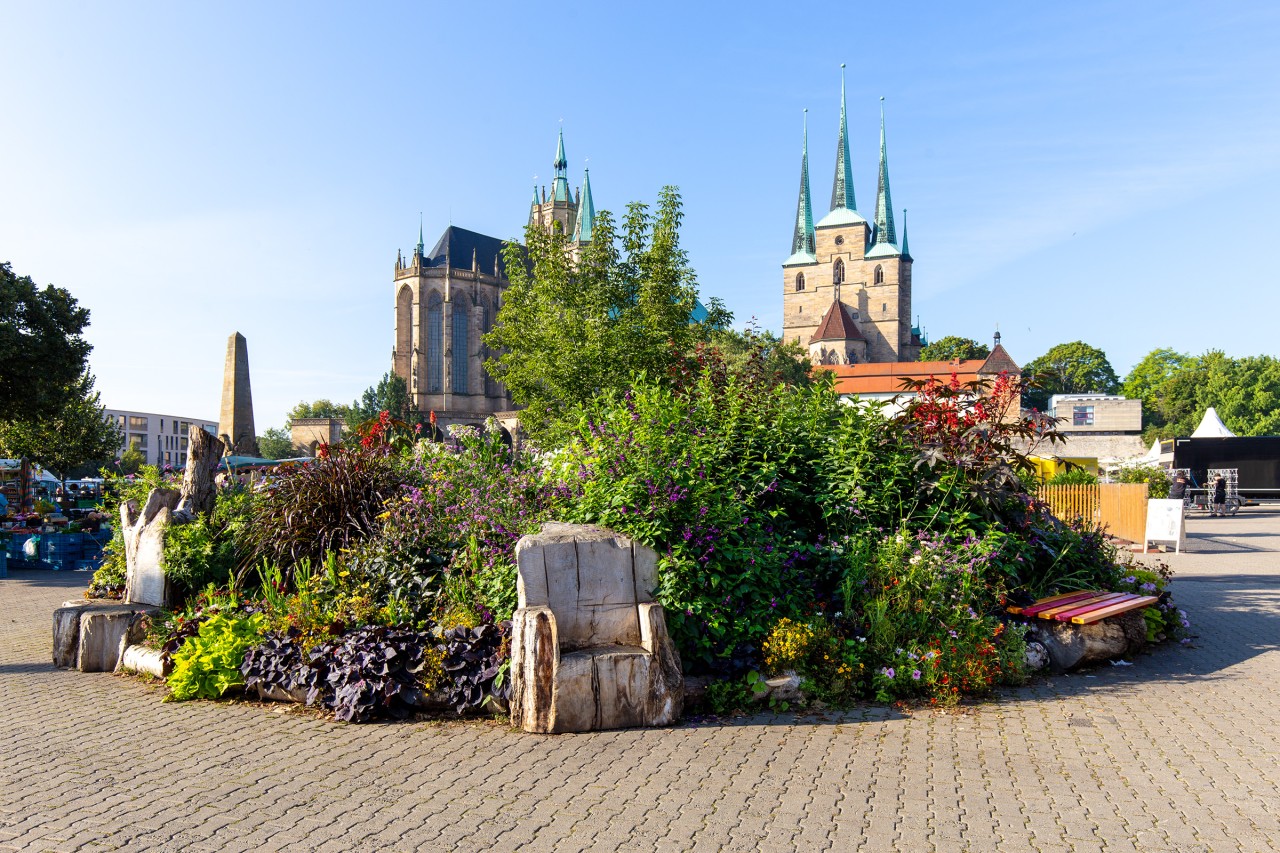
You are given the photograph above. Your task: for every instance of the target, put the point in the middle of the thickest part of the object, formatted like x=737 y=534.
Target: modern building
x=161 y=439
x=846 y=287
x=447 y=298
x=1098 y=426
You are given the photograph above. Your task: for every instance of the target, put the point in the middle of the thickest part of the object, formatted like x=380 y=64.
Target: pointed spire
x=842 y=187
x=586 y=212
x=906 y=254
x=802 y=242
x=421 y=248
x=885 y=232
x=560 y=186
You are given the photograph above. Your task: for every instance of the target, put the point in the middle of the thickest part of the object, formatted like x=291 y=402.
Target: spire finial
x=802 y=241
x=585 y=225
x=885 y=232
x=842 y=195
x=905 y=252
x=421 y=246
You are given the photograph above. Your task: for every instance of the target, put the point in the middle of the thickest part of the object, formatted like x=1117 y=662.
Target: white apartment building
x=162 y=439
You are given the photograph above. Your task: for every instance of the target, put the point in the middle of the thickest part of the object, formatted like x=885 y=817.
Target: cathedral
x=448 y=297
x=847 y=284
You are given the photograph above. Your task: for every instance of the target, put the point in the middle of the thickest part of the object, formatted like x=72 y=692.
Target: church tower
x=847 y=285
x=560 y=208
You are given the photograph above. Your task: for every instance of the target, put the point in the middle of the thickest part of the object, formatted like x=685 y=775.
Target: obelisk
x=235 y=423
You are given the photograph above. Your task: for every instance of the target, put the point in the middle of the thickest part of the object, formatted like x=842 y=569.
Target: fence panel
x=1071 y=502
x=1122 y=509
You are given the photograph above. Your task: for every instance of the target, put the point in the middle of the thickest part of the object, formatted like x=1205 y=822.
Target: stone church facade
x=448 y=297
x=847 y=284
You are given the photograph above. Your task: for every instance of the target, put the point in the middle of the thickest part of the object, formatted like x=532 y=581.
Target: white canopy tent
x=1211 y=426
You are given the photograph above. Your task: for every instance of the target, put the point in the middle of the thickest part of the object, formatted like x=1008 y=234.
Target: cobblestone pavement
x=1180 y=752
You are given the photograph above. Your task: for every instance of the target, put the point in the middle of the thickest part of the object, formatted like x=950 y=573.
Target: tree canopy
x=389 y=394
x=276 y=443
x=571 y=329
x=318 y=409
x=1176 y=388
x=1073 y=368
x=953 y=347
x=78 y=432
x=43 y=353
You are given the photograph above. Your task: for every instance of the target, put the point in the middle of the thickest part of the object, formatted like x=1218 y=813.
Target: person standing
x=1178 y=491
x=1219 y=496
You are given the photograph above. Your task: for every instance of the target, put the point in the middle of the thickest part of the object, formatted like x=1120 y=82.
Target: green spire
x=885 y=232
x=842 y=188
x=560 y=186
x=586 y=212
x=905 y=253
x=535 y=193
x=802 y=243
x=421 y=246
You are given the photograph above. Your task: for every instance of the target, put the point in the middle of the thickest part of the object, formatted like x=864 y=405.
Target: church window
x=837 y=272
x=799 y=282
x=839 y=240
x=459 y=343
x=884 y=307
x=435 y=344
x=879 y=275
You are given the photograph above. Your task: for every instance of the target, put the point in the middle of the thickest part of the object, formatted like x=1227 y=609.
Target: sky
x=1104 y=172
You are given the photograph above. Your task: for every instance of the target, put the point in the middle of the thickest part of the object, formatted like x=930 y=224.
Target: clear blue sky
x=1096 y=171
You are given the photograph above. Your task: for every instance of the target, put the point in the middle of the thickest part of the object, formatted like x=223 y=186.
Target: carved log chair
x=589 y=646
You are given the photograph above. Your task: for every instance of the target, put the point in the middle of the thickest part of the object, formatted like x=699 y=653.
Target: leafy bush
x=1164 y=620
x=374 y=672
x=278 y=661
x=208 y=550
x=474 y=664
x=1156 y=478
x=208 y=664
x=1072 y=476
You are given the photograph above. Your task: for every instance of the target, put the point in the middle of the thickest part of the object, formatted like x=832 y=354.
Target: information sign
x=1164 y=523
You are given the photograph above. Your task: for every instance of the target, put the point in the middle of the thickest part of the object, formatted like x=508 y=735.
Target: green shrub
x=1156 y=478
x=1072 y=476
x=208 y=664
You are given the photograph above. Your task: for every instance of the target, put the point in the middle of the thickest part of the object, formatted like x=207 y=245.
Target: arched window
x=837 y=272
x=879 y=275
x=486 y=326
x=799 y=282
x=460 y=344
x=435 y=344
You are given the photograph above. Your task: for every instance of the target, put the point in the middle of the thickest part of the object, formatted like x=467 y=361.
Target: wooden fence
x=1119 y=508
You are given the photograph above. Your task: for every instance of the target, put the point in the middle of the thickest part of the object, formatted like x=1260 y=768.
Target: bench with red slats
x=1086 y=606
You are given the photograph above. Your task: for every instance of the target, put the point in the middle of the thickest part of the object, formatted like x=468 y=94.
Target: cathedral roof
x=837 y=325
x=459 y=245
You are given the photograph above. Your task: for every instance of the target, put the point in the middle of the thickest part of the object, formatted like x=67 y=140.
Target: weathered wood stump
x=589 y=646
x=1071 y=645
x=93 y=636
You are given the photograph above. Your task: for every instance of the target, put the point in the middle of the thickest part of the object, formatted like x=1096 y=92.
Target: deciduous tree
x=953 y=347
x=1073 y=368
x=43 y=352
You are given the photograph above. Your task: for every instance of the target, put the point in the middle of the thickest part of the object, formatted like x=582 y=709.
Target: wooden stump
x=198 y=488
x=143 y=533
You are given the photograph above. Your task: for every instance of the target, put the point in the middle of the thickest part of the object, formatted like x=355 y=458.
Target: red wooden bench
x=1085 y=606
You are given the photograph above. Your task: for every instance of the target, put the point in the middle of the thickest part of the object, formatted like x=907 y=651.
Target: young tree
x=1074 y=368
x=320 y=409
x=571 y=329
x=276 y=443
x=953 y=347
x=43 y=352
x=131 y=460
x=78 y=432
x=786 y=362
x=390 y=394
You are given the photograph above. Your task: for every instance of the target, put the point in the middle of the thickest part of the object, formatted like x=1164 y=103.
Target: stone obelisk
x=235 y=423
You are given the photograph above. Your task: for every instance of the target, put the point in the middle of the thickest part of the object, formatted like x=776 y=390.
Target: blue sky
x=1096 y=171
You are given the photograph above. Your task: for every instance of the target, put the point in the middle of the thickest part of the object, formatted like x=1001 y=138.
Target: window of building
x=435 y=344
x=799 y=282
x=182 y=444
x=162 y=424
x=461 y=325
x=138 y=441
x=1082 y=416
x=879 y=278
x=137 y=424
x=884 y=307
x=839 y=240
x=175 y=427
x=837 y=272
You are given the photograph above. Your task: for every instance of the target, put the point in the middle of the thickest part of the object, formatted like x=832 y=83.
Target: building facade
x=448 y=297
x=161 y=439
x=846 y=287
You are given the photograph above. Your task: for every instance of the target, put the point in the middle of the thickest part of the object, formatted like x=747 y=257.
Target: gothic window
x=460 y=344
x=799 y=282
x=837 y=272
x=435 y=344
x=879 y=275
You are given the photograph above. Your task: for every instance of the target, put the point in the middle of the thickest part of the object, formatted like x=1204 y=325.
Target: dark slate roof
x=459 y=244
x=837 y=325
x=1000 y=362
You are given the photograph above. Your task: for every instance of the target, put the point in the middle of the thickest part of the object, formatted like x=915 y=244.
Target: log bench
x=1087 y=626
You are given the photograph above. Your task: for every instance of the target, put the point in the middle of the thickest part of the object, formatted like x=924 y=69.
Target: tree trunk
x=198 y=488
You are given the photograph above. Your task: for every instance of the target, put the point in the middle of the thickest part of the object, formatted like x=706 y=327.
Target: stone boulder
x=92 y=636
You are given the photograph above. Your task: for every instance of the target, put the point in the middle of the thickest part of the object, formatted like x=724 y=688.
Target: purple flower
x=888 y=672
x=915 y=674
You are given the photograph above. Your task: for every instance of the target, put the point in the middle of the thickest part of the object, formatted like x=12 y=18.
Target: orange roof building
x=883 y=380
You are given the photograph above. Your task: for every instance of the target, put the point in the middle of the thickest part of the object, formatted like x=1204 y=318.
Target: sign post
x=1165 y=523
